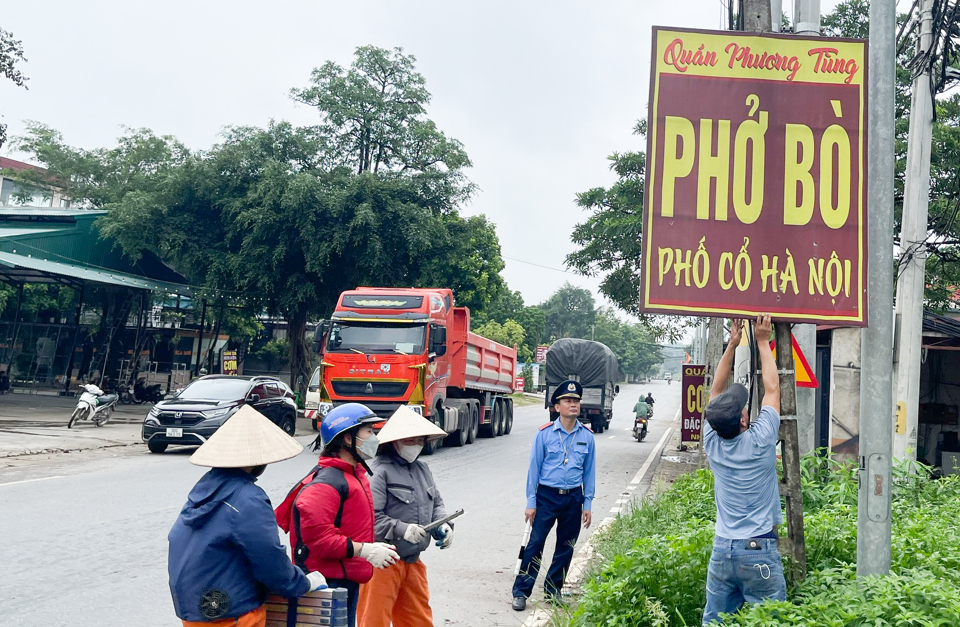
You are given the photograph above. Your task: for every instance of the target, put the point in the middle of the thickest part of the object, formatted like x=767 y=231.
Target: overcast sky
x=540 y=93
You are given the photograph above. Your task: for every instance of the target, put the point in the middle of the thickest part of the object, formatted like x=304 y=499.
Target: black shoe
x=555 y=600
x=519 y=603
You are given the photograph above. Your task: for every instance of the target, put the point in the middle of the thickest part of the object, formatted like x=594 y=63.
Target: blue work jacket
x=225 y=552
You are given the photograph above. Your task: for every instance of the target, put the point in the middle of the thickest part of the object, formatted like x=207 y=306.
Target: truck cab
x=386 y=347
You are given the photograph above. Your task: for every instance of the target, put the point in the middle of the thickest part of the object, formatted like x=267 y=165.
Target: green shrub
x=653 y=560
x=835 y=598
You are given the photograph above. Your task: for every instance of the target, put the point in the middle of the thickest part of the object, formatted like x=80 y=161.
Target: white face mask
x=368 y=447
x=409 y=452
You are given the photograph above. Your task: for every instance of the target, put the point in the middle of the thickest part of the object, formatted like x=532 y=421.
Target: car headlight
x=312 y=405
x=216 y=413
x=324 y=408
x=417 y=408
x=154 y=412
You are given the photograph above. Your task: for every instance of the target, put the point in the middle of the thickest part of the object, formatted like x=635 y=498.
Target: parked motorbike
x=126 y=395
x=640 y=428
x=143 y=393
x=93 y=405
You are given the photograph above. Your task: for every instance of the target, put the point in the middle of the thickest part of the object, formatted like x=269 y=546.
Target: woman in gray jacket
x=405 y=499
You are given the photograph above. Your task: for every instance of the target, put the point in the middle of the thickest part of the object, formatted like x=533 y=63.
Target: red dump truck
x=386 y=347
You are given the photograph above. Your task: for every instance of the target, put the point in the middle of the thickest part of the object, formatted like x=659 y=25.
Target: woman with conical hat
x=405 y=499
x=225 y=553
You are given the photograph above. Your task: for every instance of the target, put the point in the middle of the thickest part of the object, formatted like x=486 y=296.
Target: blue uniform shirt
x=552 y=446
x=746 y=487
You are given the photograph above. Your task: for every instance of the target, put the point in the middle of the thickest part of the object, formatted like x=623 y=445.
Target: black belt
x=559 y=490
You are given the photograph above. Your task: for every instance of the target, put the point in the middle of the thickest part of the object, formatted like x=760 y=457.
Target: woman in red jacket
x=329 y=513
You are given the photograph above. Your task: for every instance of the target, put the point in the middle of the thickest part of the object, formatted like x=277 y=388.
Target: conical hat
x=406 y=423
x=248 y=438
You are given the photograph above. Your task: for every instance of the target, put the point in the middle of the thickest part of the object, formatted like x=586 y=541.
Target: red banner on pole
x=755 y=198
x=693 y=393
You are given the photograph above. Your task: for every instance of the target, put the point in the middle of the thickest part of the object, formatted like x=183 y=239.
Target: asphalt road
x=84 y=534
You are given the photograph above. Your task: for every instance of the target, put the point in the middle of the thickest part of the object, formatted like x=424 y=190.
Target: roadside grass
x=522 y=400
x=652 y=562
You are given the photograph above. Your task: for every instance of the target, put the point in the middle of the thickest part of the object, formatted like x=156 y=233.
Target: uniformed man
x=561 y=482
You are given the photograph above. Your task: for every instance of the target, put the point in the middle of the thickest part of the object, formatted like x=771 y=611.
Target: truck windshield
x=373 y=337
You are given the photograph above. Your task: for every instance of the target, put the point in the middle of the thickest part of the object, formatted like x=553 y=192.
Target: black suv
x=199 y=409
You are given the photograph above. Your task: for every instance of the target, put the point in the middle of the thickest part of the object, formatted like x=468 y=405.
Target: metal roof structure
x=942 y=326
x=44 y=245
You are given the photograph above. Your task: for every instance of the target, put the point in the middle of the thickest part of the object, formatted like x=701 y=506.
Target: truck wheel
x=497 y=418
x=507 y=416
x=474 y=407
x=596 y=424
x=432 y=446
x=459 y=437
x=488 y=430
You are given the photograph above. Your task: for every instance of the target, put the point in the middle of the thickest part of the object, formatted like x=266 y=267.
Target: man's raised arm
x=768 y=365
x=726 y=362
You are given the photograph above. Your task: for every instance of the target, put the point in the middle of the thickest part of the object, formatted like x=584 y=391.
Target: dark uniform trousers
x=565 y=510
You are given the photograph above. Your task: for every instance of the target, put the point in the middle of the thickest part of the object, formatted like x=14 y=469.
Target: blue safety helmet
x=343 y=418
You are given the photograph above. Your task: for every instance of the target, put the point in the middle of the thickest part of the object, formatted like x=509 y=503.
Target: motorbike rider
x=329 y=513
x=641 y=412
x=224 y=553
x=649 y=401
x=641 y=409
x=143 y=392
x=405 y=499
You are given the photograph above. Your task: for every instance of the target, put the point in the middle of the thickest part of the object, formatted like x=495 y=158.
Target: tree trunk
x=299 y=358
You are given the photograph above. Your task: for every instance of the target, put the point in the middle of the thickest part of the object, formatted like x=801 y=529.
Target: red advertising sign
x=519 y=384
x=541 y=354
x=693 y=397
x=229 y=362
x=755 y=197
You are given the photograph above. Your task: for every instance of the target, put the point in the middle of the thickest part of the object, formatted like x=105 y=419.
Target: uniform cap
x=247 y=438
x=567 y=389
x=406 y=423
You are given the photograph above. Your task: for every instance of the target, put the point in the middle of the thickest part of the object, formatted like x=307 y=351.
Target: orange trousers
x=253 y=618
x=399 y=594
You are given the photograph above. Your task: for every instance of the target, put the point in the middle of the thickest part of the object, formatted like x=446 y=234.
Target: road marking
x=611 y=437
x=32 y=480
x=653 y=454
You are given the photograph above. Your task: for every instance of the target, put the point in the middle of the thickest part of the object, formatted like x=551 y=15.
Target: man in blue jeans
x=745 y=566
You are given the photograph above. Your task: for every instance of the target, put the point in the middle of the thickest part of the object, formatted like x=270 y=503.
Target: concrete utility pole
x=806 y=18
x=913 y=256
x=876 y=378
x=756 y=15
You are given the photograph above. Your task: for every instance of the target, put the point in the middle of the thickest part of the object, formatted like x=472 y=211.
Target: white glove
x=379 y=554
x=317 y=581
x=444 y=536
x=414 y=534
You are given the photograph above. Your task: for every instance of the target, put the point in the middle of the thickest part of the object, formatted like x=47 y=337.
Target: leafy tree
x=11 y=52
x=533 y=319
x=569 y=312
x=464 y=255
x=611 y=242
x=273 y=354
x=505 y=305
x=99 y=178
x=509 y=333
x=374 y=114
x=286 y=218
